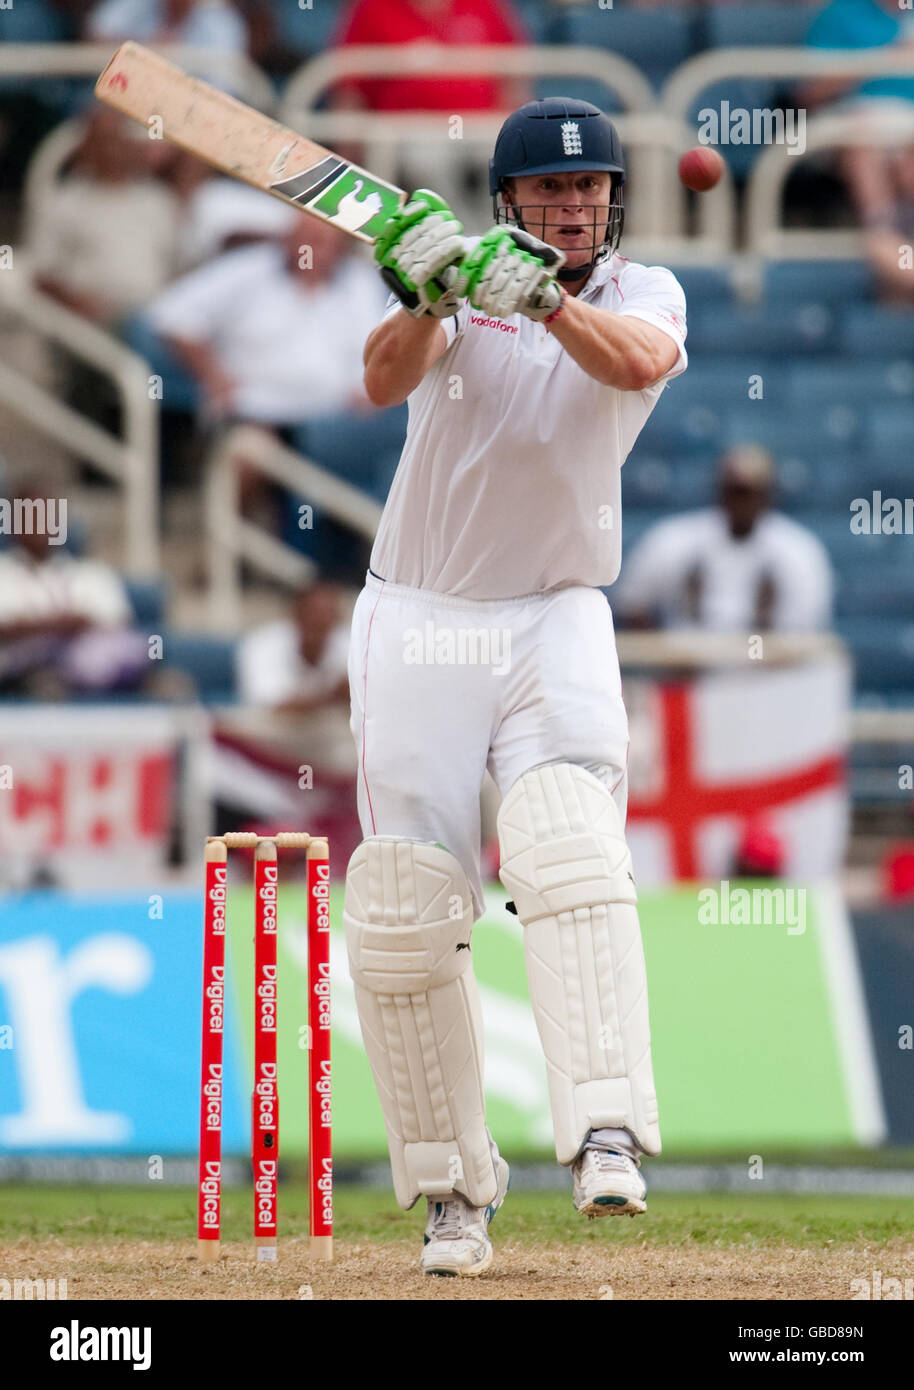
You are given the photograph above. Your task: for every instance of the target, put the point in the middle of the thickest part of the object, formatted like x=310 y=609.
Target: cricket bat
x=246 y=144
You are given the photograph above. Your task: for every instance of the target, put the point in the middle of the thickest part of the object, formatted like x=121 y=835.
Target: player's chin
x=577 y=251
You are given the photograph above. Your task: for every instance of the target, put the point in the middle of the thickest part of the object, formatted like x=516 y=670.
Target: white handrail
x=766 y=237
x=682 y=87
x=43 y=171
x=89 y=59
x=133 y=461
x=697 y=648
x=308 y=83
x=230 y=539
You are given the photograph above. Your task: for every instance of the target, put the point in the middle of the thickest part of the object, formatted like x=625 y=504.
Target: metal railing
x=232 y=540
x=308 y=84
x=235 y=70
x=684 y=86
x=767 y=238
x=132 y=462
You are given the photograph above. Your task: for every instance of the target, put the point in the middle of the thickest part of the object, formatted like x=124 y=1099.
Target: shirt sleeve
x=658 y=298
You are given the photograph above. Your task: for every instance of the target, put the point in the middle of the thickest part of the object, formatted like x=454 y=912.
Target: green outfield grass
x=83 y=1215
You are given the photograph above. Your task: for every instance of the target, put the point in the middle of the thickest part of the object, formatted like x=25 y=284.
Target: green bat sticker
x=357 y=202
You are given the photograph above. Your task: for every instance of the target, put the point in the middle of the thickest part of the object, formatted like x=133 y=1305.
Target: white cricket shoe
x=456 y=1236
x=607 y=1184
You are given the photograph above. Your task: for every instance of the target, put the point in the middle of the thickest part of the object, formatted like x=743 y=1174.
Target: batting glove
x=511 y=272
x=419 y=251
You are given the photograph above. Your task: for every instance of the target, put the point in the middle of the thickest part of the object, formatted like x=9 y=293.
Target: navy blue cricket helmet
x=552 y=136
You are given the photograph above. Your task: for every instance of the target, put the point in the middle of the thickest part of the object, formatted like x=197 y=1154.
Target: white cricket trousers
x=444 y=687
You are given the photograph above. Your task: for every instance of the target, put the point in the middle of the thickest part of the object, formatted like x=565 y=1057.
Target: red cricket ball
x=701 y=168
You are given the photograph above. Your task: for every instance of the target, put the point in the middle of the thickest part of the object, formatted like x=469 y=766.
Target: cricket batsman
x=531 y=358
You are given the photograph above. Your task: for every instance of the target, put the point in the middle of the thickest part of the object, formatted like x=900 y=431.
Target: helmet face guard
x=555 y=136
x=536 y=219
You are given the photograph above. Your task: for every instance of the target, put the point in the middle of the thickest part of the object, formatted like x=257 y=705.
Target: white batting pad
x=408 y=915
x=565 y=862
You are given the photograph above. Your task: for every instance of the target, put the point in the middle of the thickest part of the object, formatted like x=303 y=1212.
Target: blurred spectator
x=458 y=177
x=64 y=621
x=895 y=229
x=431 y=21
x=268 y=340
x=212 y=24
x=107 y=240
x=299 y=664
x=737 y=567
x=856 y=25
x=222 y=215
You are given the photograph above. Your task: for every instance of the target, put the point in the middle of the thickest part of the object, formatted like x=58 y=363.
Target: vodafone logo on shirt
x=500 y=324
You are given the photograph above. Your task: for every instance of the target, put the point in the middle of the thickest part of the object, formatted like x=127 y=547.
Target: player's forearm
x=398 y=354
x=614 y=350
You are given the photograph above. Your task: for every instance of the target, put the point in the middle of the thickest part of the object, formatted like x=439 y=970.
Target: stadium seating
x=361 y=447
x=209 y=661
x=735 y=26
x=655 y=40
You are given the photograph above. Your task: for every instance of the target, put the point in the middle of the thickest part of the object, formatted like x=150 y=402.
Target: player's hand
x=419 y=251
x=511 y=272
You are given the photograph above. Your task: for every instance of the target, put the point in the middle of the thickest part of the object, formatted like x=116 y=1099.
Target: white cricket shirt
x=509 y=481
x=697 y=549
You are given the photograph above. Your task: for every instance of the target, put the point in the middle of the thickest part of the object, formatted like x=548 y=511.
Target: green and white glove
x=511 y=272
x=419 y=251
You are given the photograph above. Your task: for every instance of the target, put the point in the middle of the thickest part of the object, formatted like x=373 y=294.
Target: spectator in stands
x=222 y=214
x=737 y=567
x=64 y=621
x=430 y=21
x=214 y=24
x=107 y=239
x=858 y=25
x=893 y=233
x=273 y=333
x=298 y=665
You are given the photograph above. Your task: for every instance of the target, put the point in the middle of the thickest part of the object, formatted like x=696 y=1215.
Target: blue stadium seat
x=671 y=481
x=679 y=425
x=364 y=449
x=723 y=382
x=538 y=17
x=703 y=284
x=791 y=433
x=635 y=521
x=855 y=554
x=883 y=651
x=790 y=329
x=734 y=26
x=815 y=385
x=656 y=41
x=869 y=593
x=209 y=661
x=819 y=282
x=579 y=89
x=873 y=328
x=147 y=599
x=888 y=437
x=307 y=31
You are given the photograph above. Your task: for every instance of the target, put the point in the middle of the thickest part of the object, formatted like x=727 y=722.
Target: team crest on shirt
x=571 y=138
